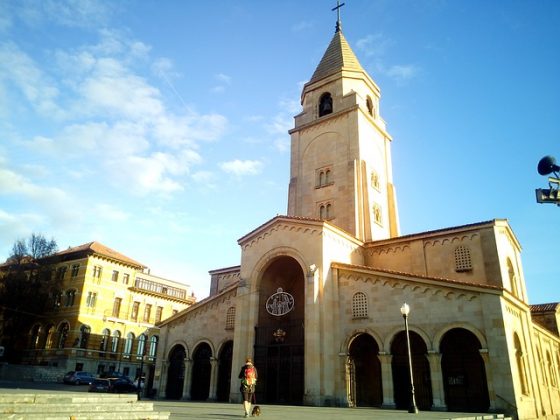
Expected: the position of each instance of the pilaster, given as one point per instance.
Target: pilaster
(213, 379)
(438, 394)
(387, 379)
(187, 382)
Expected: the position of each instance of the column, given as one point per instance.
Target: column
(312, 331)
(187, 380)
(438, 392)
(387, 379)
(213, 394)
(346, 367)
(162, 384)
(490, 384)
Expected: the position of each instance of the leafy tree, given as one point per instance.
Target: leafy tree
(26, 287)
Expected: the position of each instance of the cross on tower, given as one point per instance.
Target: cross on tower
(337, 8)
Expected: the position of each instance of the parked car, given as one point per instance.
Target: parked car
(99, 385)
(116, 385)
(122, 385)
(78, 378)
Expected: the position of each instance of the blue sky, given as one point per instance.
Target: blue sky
(159, 128)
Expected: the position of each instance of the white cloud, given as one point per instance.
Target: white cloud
(242, 167)
(402, 73)
(280, 124)
(72, 13)
(109, 212)
(301, 26)
(282, 144)
(20, 69)
(224, 78)
(373, 45)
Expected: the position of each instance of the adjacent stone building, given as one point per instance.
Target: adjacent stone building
(104, 316)
(316, 298)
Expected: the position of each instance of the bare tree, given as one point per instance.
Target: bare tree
(36, 247)
(26, 289)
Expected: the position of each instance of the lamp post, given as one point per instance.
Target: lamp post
(405, 310)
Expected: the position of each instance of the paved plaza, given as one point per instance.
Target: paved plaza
(197, 410)
(224, 411)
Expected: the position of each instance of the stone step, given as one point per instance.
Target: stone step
(484, 417)
(91, 416)
(67, 398)
(77, 406)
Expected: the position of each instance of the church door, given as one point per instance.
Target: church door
(420, 372)
(175, 373)
(201, 372)
(224, 372)
(463, 371)
(279, 337)
(365, 376)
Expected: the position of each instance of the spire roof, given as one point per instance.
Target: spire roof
(339, 56)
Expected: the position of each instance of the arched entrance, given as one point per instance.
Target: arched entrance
(201, 372)
(175, 373)
(365, 372)
(224, 372)
(464, 375)
(279, 338)
(420, 371)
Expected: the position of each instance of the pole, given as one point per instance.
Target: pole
(413, 409)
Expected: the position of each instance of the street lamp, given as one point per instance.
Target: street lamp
(405, 310)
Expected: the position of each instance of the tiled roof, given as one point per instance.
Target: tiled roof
(339, 56)
(545, 307)
(98, 248)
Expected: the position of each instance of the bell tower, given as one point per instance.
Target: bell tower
(340, 167)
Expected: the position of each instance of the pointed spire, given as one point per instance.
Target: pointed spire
(339, 56)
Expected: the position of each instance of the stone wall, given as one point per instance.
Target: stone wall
(28, 373)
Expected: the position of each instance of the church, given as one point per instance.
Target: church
(316, 300)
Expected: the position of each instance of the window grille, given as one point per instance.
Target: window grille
(359, 305)
(463, 260)
(230, 318)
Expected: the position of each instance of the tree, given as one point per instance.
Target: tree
(36, 247)
(27, 286)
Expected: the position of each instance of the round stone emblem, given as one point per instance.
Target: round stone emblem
(280, 303)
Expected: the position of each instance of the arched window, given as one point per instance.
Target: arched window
(551, 371)
(115, 341)
(104, 340)
(35, 336)
(329, 211)
(141, 345)
(541, 365)
(153, 346)
(85, 331)
(520, 359)
(230, 318)
(325, 104)
(369, 105)
(463, 260)
(375, 180)
(512, 278)
(328, 176)
(128, 344)
(377, 214)
(50, 337)
(359, 305)
(322, 212)
(63, 330)
(70, 297)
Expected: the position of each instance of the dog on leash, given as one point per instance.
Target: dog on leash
(256, 411)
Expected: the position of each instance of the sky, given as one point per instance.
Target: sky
(160, 128)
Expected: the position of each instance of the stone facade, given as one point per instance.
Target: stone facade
(316, 298)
